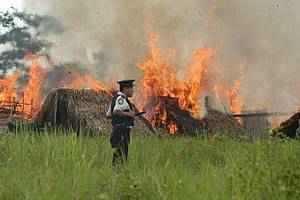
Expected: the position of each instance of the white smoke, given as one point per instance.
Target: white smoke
(111, 37)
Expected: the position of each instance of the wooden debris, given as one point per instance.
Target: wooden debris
(186, 123)
(288, 128)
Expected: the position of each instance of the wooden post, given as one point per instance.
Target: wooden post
(12, 108)
(23, 102)
(55, 108)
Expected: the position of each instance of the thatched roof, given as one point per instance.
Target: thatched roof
(82, 110)
(218, 122)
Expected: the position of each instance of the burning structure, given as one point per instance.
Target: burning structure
(171, 103)
(172, 95)
(171, 92)
(175, 102)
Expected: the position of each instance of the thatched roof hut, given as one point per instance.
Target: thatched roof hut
(80, 110)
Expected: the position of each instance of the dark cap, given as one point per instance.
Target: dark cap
(126, 83)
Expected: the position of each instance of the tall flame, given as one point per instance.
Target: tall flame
(235, 100)
(195, 80)
(160, 79)
(33, 90)
(224, 93)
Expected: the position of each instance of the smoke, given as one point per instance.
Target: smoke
(265, 35)
(255, 40)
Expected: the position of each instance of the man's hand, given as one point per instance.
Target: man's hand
(130, 114)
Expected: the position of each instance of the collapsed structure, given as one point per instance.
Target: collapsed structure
(288, 128)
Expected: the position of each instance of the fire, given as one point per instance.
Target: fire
(225, 93)
(195, 80)
(172, 127)
(78, 81)
(160, 80)
(235, 100)
(161, 118)
(159, 77)
(8, 90)
(33, 90)
(28, 97)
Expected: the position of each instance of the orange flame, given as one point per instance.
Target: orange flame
(8, 90)
(195, 81)
(30, 101)
(235, 100)
(78, 81)
(33, 89)
(225, 93)
(172, 127)
(160, 79)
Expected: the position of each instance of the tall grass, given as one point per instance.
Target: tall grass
(69, 167)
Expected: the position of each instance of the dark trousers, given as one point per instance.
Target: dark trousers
(120, 154)
(119, 140)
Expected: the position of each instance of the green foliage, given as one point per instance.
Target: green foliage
(60, 167)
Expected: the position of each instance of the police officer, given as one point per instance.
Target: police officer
(122, 114)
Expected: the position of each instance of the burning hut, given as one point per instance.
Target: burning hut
(171, 99)
(288, 128)
(80, 110)
(170, 116)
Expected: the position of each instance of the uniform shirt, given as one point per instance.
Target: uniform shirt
(120, 104)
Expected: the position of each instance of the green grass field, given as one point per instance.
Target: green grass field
(66, 167)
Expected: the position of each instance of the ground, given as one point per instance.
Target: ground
(67, 167)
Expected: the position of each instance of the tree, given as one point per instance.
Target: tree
(22, 33)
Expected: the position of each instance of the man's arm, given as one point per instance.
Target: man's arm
(124, 114)
(108, 113)
(144, 120)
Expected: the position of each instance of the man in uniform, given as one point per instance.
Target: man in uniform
(122, 114)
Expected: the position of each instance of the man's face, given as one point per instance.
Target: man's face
(128, 91)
